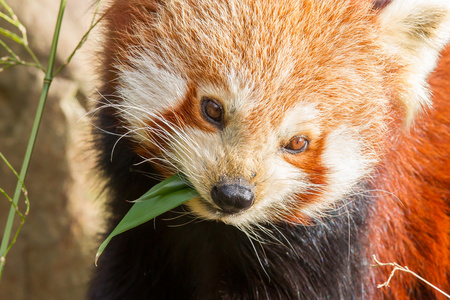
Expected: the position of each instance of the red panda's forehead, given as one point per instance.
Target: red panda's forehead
(282, 48)
(274, 43)
(275, 56)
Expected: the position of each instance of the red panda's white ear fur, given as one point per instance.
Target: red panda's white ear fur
(415, 31)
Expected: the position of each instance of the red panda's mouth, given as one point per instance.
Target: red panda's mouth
(208, 206)
(217, 211)
(213, 209)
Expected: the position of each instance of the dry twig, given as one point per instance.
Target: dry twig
(404, 269)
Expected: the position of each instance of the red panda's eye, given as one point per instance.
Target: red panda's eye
(213, 111)
(297, 144)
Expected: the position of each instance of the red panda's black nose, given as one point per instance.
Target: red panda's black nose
(233, 196)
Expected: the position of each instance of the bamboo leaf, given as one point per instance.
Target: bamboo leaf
(169, 185)
(163, 197)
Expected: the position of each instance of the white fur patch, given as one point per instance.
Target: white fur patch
(347, 163)
(237, 96)
(302, 119)
(149, 86)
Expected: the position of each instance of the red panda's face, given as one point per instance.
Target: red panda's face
(271, 111)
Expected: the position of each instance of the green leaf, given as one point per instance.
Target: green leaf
(169, 185)
(164, 196)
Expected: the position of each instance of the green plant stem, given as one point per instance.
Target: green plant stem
(11, 35)
(26, 162)
(94, 23)
(7, 7)
(33, 56)
(80, 44)
(6, 47)
(21, 215)
(20, 40)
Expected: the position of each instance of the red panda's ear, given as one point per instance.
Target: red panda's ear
(415, 31)
(124, 13)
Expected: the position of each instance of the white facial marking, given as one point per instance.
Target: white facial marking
(238, 96)
(303, 118)
(149, 85)
(347, 163)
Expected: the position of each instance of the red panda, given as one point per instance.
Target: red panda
(316, 133)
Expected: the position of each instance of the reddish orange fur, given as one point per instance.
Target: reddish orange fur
(317, 173)
(310, 71)
(410, 222)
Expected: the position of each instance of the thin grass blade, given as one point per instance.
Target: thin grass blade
(12, 36)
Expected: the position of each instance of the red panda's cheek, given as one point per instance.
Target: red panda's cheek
(155, 131)
(155, 95)
(189, 113)
(310, 163)
(333, 167)
(348, 157)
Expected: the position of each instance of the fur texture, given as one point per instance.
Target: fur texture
(349, 77)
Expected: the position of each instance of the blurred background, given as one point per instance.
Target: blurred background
(54, 253)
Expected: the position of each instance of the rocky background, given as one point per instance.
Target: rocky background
(55, 251)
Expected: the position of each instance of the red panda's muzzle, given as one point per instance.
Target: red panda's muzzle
(233, 196)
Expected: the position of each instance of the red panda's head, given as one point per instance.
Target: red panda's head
(272, 109)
